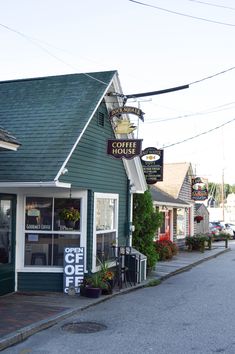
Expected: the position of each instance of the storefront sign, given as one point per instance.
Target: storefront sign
(73, 268)
(152, 163)
(127, 110)
(199, 189)
(124, 148)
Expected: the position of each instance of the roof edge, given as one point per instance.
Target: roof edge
(55, 184)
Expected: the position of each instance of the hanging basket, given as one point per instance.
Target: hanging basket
(198, 218)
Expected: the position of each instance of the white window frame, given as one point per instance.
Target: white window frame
(20, 267)
(95, 268)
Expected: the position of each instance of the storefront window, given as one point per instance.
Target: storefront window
(181, 223)
(105, 214)
(38, 214)
(48, 249)
(106, 226)
(50, 225)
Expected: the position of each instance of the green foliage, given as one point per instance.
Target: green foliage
(96, 281)
(197, 242)
(70, 214)
(153, 282)
(215, 190)
(146, 220)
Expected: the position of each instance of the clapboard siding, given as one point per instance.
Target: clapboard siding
(90, 168)
(40, 282)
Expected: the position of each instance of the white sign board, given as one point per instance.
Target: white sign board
(73, 268)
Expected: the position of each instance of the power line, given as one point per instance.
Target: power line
(182, 14)
(198, 135)
(34, 41)
(211, 76)
(215, 5)
(207, 111)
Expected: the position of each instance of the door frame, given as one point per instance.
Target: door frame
(7, 271)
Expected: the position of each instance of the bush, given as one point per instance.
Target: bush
(165, 249)
(146, 220)
(196, 242)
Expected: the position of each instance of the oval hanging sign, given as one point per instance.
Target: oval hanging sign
(152, 163)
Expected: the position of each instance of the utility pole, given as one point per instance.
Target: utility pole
(222, 194)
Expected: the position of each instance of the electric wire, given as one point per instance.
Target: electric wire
(200, 134)
(34, 41)
(182, 14)
(215, 5)
(207, 111)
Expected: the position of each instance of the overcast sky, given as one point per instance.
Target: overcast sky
(165, 44)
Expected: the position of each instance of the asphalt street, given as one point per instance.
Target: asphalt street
(191, 312)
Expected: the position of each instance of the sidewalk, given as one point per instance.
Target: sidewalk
(23, 314)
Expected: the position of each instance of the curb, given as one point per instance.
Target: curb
(22, 334)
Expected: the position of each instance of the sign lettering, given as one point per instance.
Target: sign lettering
(124, 148)
(73, 268)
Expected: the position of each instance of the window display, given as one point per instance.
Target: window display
(50, 225)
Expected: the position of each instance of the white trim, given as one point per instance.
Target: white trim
(53, 184)
(9, 146)
(20, 229)
(80, 136)
(104, 196)
(172, 205)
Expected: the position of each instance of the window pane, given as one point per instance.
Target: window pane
(38, 213)
(105, 214)
(180, 223)
(70, 208)
(5, 231)
(104, 242)
(60, 242)
(37, 249)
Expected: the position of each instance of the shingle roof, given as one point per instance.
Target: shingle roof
(164, 198)
(47, 115)
(173, 177)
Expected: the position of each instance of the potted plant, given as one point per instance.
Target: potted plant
(92, 286)
(107, 275)
(197, 242)
(70, 216)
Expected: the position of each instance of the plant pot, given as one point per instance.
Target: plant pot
(93, 292)
(111, 283)
(69, 224)
(107, 291)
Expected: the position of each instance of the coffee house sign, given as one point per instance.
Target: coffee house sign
(124, 148)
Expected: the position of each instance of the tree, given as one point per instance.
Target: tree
(146, 220)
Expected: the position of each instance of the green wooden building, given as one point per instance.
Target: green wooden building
(62, 124)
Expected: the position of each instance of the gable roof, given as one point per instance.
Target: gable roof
(162, 198)
(49, 116)
(8, 141)
(173, 177)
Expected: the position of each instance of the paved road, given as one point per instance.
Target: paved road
(192, 312)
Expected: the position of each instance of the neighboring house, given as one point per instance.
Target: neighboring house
(63, 125)
(177, 183)
(168, 206)
(201, 219)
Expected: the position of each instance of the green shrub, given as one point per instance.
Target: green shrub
(146, 220)
(196, 242)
